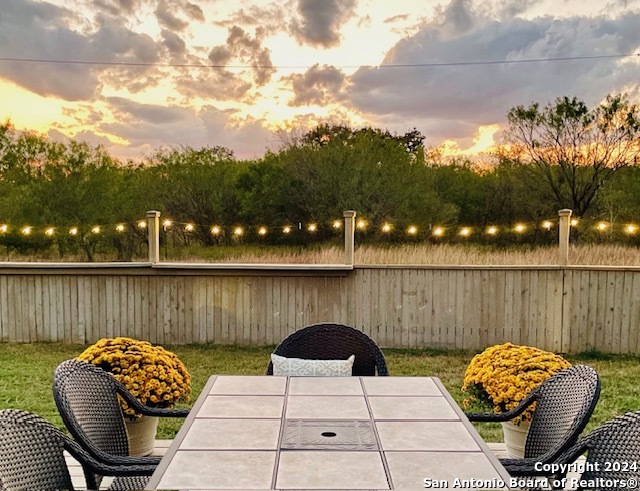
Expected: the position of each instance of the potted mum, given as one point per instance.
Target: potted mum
(501, 376)
(155, 376)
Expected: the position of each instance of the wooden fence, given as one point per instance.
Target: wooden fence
(559, 308)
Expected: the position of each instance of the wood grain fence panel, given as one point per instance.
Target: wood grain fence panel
(5, 298)
(511, 305)
(407, 299)
(569, 309)
(634, 317)
(625, 313)
(38, 308)
(15, 296)
(574, 289)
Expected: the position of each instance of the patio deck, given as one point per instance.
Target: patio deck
(161, 446)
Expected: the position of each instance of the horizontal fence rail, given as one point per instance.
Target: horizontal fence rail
(562, 309)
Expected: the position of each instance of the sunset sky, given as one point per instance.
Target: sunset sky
(135, 75)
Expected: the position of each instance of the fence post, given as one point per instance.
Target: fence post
(349, 235)
(563, 228)
(153, 228)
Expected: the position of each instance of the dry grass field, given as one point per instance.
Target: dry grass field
(408, 254)
(606, 255)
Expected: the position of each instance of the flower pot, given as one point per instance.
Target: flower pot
(515, 437)
(142, 435)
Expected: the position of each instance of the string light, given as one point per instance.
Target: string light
(361, 224)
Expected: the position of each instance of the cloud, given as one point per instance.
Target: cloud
(174, 43)
(39, 30)
(193, 11)
(247, 50)
(166, 17)
(320, 21)
(437, 98)
(148, 127)
(318, 85)
(116, 7)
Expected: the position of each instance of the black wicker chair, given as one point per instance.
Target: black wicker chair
(564, 403)
(87, 399)
(613, 455)
(32, 458)
(331, 342)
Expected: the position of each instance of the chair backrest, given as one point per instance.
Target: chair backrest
(333, 342)
(615, 447)
(87, 400)
(564, 405)
(31, 454)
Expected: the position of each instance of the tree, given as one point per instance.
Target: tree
(197, 185)
(574, 150)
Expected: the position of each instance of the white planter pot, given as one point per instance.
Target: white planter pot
(515, 437)
(142, 435)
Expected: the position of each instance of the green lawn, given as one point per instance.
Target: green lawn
(26, 372)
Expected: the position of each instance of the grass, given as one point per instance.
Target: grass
(26, 371)
(582, 254)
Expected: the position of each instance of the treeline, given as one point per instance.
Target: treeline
(55, 187)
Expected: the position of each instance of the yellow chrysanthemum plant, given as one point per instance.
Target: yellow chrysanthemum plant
(502, 375)
(155, 376)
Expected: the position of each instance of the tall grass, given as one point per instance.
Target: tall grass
(425, 254)
(414, 254)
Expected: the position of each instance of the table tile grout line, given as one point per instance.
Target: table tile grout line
(283, 417)
(385, 464)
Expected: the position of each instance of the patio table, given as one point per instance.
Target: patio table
(266, 432)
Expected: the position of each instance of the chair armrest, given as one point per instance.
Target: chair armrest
(507, 415)
(90, 465)
(146, 410)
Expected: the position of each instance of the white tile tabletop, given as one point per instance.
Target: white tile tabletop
(330, 433)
